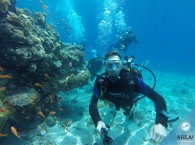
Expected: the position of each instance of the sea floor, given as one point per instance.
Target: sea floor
(75, 126)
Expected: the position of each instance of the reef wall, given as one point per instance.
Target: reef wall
(34, 66)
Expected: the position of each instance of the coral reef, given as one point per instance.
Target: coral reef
(5, 6)
(24, 96)
(34, 66)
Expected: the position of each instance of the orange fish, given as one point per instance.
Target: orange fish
(2, 89)
(14, 131)
(52, 113)
(47, 76)
(5, 77)
(2, 110)
(41, 114)
(38, 85)
(3, 135)
(1, 69)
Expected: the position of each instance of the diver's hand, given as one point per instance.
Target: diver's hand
(157, 132)
(101, 125)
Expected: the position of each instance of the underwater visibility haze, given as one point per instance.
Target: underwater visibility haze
(45, 84)
(165, 29)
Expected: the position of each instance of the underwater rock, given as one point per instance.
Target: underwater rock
(13, 19)
(38, 52)
(75, 52)
(24, 11)
(48, 44)
(40, 19)
(50, 121)
(4, 117)
(41, 131)
(73, 81)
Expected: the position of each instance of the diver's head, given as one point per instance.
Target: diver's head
(113, 63)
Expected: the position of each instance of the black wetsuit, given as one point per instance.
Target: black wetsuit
(123, 92)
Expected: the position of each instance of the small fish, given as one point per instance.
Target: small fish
(11, 103)
(70, 64)
(6, 77)
(21, 42)
(59, 99)
(38, 85)
(24, 112)
(47, 76)
(66, 128)
(40, 113)
(2, 110)
(2, 89)
(41, 1)
(14, 131)
(63, 19)
(27, 118)
(44, 7)
(52, 113)
(60, 109)
(47, 64)
(1, 69)
(3, 135)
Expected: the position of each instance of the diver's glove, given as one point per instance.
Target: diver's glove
(157, 133)
(101, 125)
(103, 129)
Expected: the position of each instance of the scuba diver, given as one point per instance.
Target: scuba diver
(127, 38)
(97, 65)
(120, 84)
(95, 68)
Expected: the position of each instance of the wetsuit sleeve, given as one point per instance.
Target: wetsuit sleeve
(159, 102)
(160, 105)
(93, 110)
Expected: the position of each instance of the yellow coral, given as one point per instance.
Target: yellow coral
(3, 1)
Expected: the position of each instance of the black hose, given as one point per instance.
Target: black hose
(150, 72)
(139, 98)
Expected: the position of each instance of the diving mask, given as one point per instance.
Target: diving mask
(113, 66)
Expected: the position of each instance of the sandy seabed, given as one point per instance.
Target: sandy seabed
(177, 90)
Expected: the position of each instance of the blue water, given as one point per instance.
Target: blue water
(165, 29)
